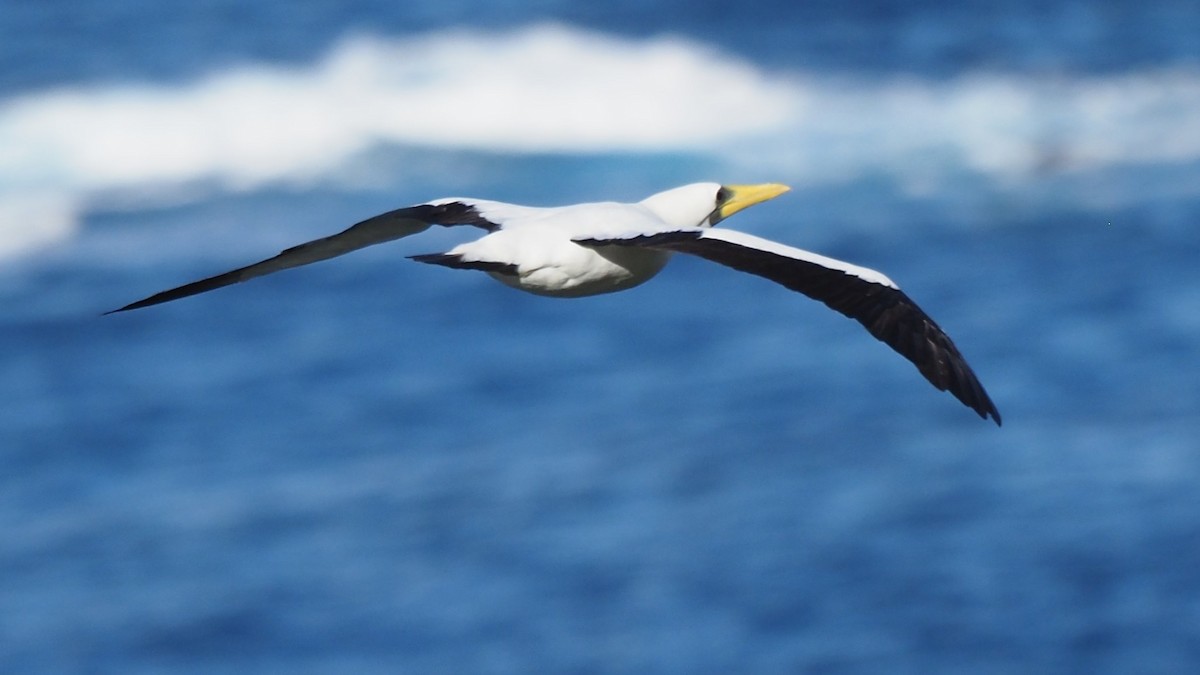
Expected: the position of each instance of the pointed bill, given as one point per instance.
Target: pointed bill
(742, 196)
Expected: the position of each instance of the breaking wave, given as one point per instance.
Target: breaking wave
(552, 88)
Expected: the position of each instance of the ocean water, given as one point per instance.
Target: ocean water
(374, 466)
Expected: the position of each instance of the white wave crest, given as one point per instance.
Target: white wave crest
(557, 89)
(32, 220)
(547, 88)
(1006, 127)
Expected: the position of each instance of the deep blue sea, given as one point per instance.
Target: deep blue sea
(374, 466)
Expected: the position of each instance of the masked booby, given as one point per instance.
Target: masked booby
(592, 248)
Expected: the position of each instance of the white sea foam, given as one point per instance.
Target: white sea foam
(1006, 127)
(545, 89)
(32, 220)
(557, 89)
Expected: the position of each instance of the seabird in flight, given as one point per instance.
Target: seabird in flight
(587, 249)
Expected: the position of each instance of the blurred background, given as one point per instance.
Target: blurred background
(375, 466)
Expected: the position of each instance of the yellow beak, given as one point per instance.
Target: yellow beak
(741, 196)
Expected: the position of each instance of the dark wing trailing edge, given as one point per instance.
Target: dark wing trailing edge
(455, 261)
(863, 295)
(382, 228)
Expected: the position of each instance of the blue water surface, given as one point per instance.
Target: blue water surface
(375, 466)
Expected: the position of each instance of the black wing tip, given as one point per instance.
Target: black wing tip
(135, 305)
(932, 351)
(959, 381)
(972, 394)
(995, 414)
(988, 410)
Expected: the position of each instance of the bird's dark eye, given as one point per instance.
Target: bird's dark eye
(722, 196)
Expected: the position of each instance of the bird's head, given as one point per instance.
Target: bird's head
(706, 204)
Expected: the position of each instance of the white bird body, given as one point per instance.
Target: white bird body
(554, 266)
(603, 247)
(538, 250)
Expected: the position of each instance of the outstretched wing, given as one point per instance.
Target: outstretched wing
(376, 230)
(862, 294)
